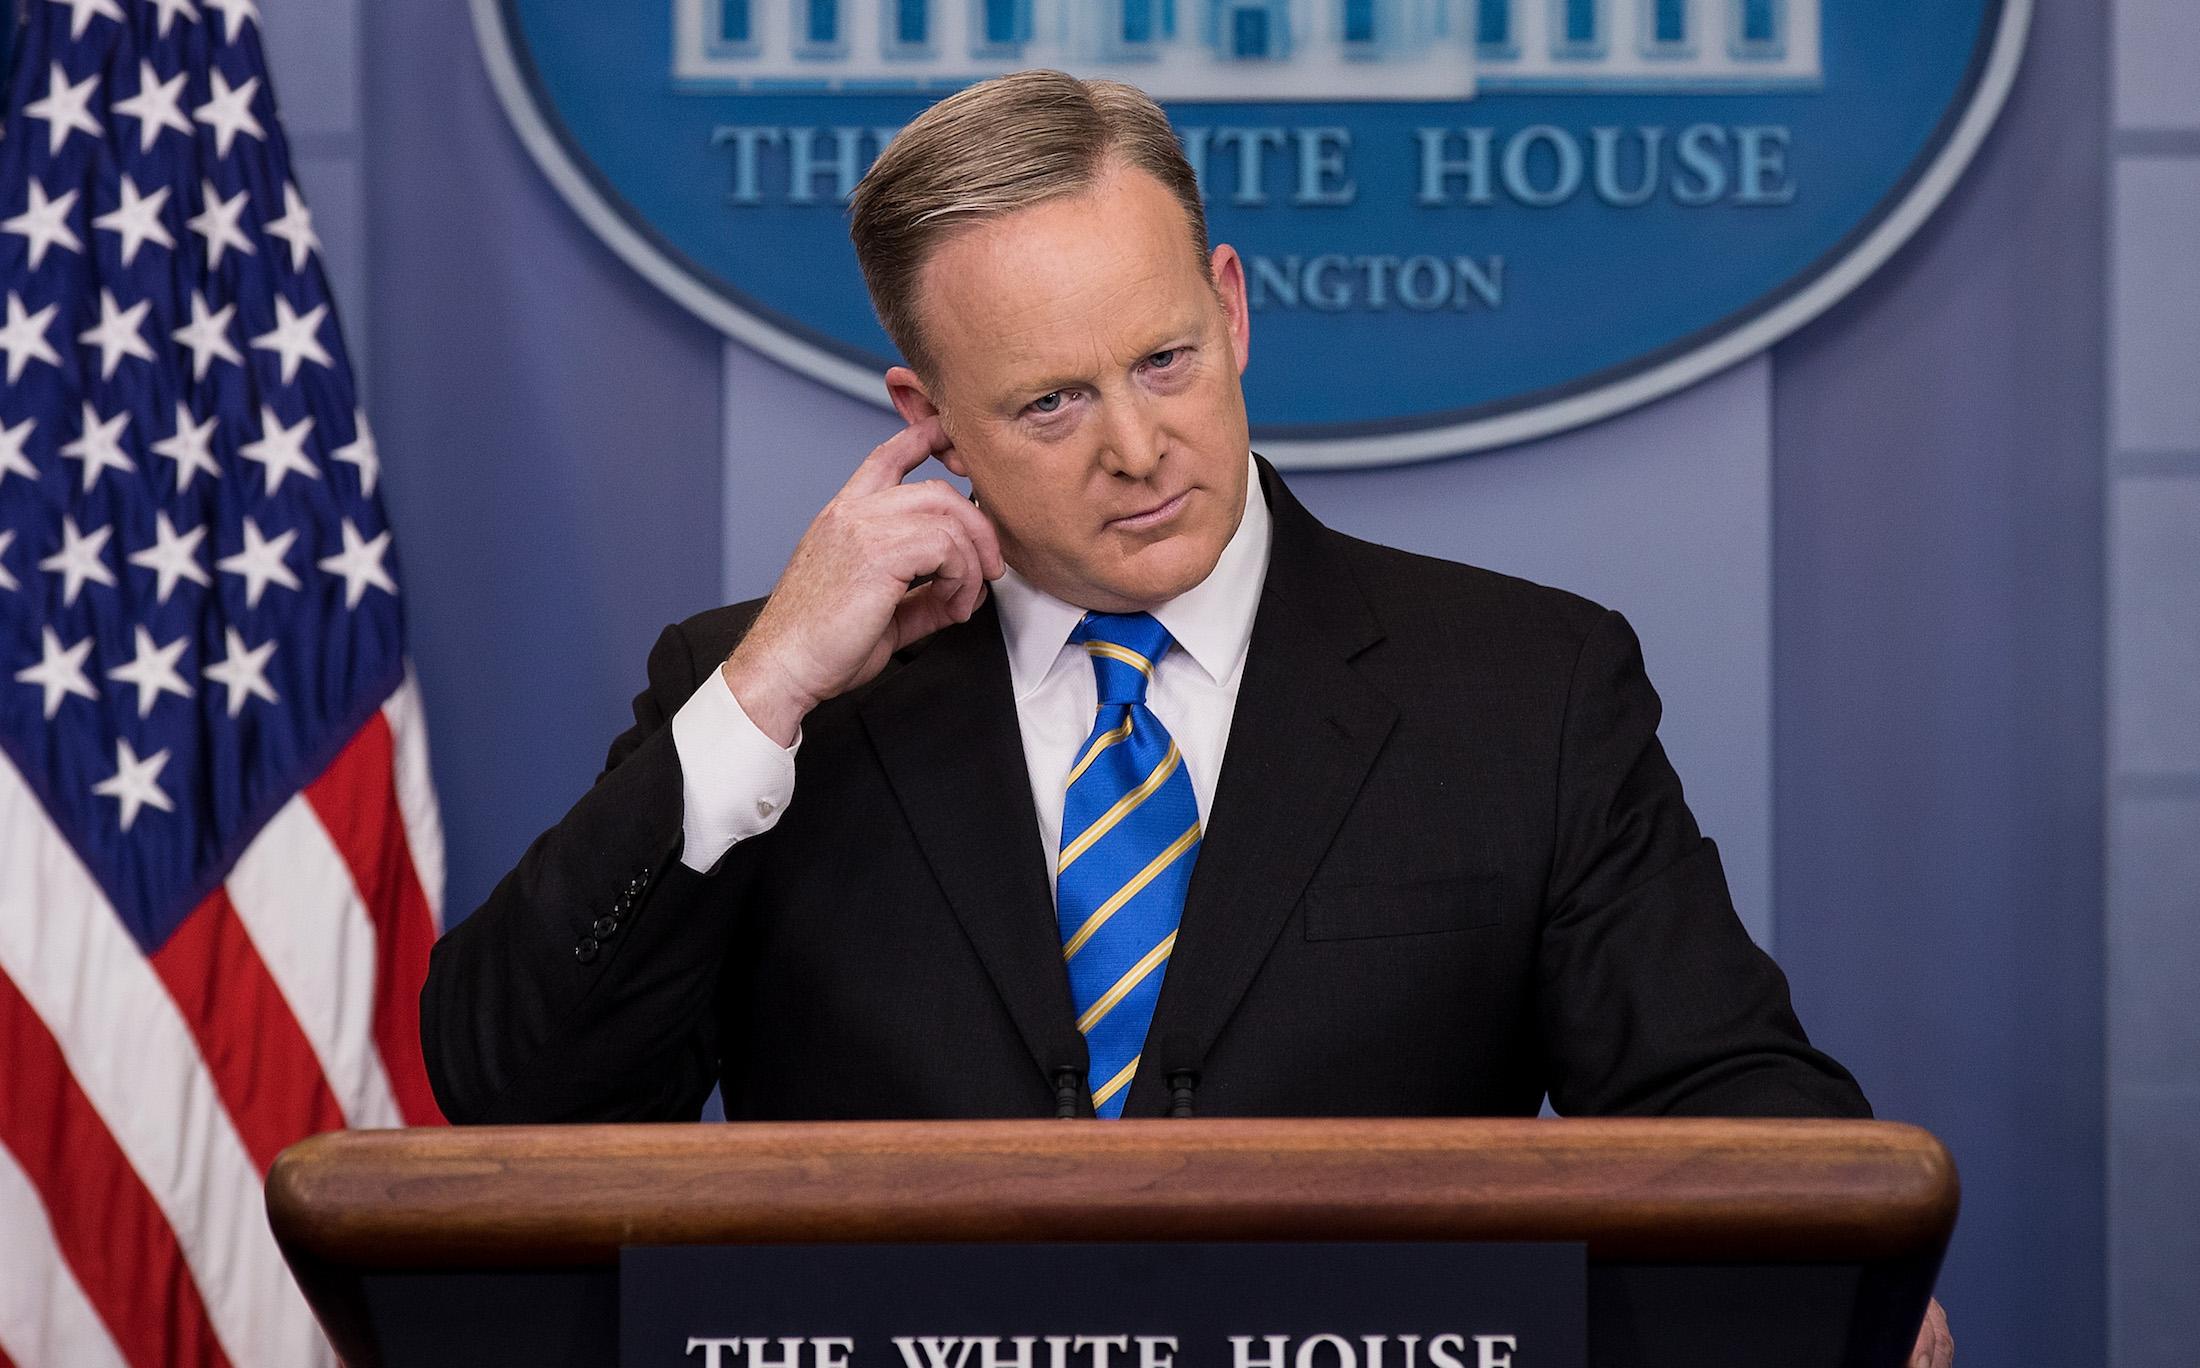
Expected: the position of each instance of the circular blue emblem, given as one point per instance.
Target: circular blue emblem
(1465, 222)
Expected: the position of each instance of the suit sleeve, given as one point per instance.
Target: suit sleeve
(583, 989)
(1654, 1000)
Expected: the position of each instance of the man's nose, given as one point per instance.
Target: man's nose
(1131, 443)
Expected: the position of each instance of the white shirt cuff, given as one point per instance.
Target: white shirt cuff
(734, 780)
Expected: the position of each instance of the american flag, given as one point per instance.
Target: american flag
(220, 863)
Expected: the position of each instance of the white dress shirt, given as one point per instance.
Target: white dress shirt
(735, 781)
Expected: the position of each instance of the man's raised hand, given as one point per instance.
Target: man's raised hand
(881, 565)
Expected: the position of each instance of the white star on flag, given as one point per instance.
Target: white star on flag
(229, 112)
(7, 580)
(118, 333)
(171, 557)
(157, 105)
(153, 670)
(361, 452)
(169, 9)
(78, 559)
(23, 337)
(12, 459)
(191, 447)
(295, 337)
(294, 227)
(360, 563)
(260, 563)
(137, 219)
(236, 13)
(81, 12)
(280, 449)
(99, 447)
(244, 673)
(45, 223)
(59, 671)
(207, 335)
(136, 783)
(217, 223)
(66, 108)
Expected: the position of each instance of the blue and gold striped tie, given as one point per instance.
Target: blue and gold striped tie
(1130, 832)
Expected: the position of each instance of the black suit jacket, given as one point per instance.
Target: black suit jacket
(1447, 870)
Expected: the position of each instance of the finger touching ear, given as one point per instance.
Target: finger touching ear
(913, 400)
(911, 397)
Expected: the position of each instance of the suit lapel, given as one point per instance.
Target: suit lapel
(944, 726)
(1304, 733)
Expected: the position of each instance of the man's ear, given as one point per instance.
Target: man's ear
(912, 399)
(1227, 270)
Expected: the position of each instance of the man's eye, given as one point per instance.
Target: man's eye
(1162, 360)
(1048, 403)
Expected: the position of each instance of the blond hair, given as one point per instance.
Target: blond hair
(988, 151)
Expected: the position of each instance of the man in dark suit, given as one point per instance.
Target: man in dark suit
(1124, 783)
(1448, 869)
(847, 859)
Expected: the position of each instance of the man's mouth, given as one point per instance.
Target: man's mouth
(1151, 517)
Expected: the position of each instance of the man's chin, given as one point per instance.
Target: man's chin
(1157, 573)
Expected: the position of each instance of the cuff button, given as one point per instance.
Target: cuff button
(603, 927)
(587, 950)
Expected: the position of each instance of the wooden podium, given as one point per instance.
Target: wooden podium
(1776, 1244)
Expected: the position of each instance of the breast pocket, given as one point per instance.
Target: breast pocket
(1353, 911)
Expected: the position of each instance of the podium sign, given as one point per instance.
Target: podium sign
(1144, 1305)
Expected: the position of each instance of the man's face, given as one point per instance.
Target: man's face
(1088, 377)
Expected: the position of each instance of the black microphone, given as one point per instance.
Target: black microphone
(1182, 1077)
(1069, 1080)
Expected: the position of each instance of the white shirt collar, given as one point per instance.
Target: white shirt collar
(1212, 620)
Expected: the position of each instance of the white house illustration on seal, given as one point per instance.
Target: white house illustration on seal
(1251, 50)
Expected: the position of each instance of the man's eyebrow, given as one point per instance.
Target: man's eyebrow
(1048, 383)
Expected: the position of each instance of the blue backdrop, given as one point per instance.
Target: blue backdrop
(1931, 611)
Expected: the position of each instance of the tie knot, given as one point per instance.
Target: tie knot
(1124, 648)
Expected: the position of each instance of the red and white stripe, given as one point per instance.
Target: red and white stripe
(142, 1099)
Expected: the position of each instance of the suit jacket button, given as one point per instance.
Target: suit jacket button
(587, 950)
(603, 927)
